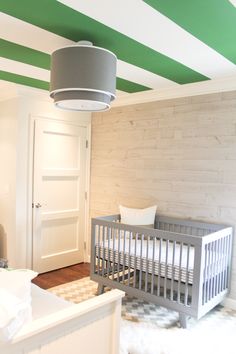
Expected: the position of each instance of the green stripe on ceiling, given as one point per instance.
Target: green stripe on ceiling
(36, 58)
(211, 21)
(66, 22)
(128, 86)
(24, 80)
(122, 84)
(23, 54)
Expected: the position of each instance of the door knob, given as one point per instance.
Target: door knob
(38, 205)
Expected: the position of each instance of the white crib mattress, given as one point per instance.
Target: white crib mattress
(170, 263)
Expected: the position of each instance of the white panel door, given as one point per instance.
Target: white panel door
(58, 195)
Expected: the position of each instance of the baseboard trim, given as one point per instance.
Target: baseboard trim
(228, 302)
(87, 258)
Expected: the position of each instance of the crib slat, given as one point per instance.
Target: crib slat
(220, 265)
(214, 269)
(129, 256)
(229, 254)
(223, 264)
(141, 263)
(135, 260)
(123, 270)
(207, 278)
(217, 267)
(172, 273)
(225, 261)
(187, 277)
(146, 274)
(93, 268)
(113, 253)
(204, 277)
(228, 259)
(103, 249)
(99, 249)
(208, 272)
(108, 250)
(180, 271)
(118, 263)
(166, 267)
(159, 268)
(153, 263)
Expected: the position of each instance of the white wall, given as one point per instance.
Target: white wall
(16, 140)
(8, 132)
(179, 154)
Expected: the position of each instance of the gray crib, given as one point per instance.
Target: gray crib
(182, 265)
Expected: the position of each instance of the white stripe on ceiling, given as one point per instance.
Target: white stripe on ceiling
(139, 21)
(17, 31)
(18, 68)
(25, 34)
(142, 76)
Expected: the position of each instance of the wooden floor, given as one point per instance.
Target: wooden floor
(63, 275)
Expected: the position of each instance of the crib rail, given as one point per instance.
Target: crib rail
(182, 270)
(215, 268)
(187, 227)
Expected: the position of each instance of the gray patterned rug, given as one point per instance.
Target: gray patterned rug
(136, 310)
(151, 329)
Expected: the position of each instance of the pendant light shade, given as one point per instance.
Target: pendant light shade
(83, 77)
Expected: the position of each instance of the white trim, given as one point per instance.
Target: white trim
(29, 226)
(187, 90)
(53, 92)
(87, 230)
(229, 302)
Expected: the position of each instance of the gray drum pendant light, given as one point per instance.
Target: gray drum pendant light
(83, 77)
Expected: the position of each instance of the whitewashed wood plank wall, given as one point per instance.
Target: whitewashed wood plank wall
(179, 154)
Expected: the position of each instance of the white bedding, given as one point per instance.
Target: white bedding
(45, 303)
(15, 300)
(20, 314)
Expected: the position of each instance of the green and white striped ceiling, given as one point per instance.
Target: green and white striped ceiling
(159, 43)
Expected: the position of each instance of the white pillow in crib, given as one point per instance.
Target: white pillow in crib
(15, 296)
(145, 217)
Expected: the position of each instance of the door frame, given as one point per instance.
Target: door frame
(29, 237)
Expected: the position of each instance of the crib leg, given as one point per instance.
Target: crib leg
(182, 320)
(100, 289)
